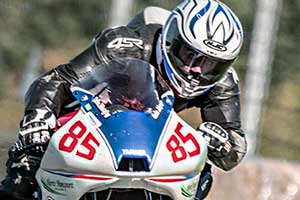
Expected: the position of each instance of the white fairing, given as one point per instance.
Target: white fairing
(80, 160)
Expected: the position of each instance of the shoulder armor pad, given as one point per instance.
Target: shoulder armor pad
(150, 15)
(228, 86)
(156, 15)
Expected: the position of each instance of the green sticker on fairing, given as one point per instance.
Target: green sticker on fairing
(188, 190)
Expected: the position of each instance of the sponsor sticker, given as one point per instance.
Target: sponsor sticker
(56, 186)
(188, 190)
(134, 151)
(88, 107)
(93, 120)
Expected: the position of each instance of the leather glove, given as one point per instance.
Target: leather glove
(218, 140)
(35, 131)
(26, 154)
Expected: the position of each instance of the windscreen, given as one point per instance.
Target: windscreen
(125, 84)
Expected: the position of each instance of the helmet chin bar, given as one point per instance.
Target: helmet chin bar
(180, 87)
(192, 89)
(188, 89)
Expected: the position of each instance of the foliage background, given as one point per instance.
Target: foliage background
(63, 28)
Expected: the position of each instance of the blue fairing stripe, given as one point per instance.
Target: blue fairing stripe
(134, 134)
(131, 131)
(88, 105)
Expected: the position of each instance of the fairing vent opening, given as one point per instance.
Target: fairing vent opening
(133, 165)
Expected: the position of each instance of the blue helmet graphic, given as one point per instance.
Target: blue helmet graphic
(200, 41)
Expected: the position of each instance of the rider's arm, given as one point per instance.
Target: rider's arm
(223, 108)
(51, 91)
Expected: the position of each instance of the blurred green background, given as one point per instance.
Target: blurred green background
(57, 30)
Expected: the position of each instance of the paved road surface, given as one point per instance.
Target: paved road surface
(258, 179)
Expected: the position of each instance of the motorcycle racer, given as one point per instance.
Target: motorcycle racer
(193, 47)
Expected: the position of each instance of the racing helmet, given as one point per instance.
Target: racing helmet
(200, 40)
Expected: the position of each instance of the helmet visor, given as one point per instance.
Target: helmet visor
(191, 64)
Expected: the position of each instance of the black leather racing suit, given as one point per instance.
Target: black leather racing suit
(220, 105)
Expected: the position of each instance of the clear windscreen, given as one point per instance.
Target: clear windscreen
(125, 84)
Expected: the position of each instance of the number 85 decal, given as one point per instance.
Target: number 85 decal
(70, 140)
(175, 146)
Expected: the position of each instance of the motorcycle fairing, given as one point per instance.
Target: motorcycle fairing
(166, 176)
(124, 129)
(80, 159)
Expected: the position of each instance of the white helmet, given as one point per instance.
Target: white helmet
(199, 42)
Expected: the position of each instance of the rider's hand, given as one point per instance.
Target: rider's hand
(26, 154)
(35, 132)
(218, 139)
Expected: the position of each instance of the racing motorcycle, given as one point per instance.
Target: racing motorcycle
(124, 142)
